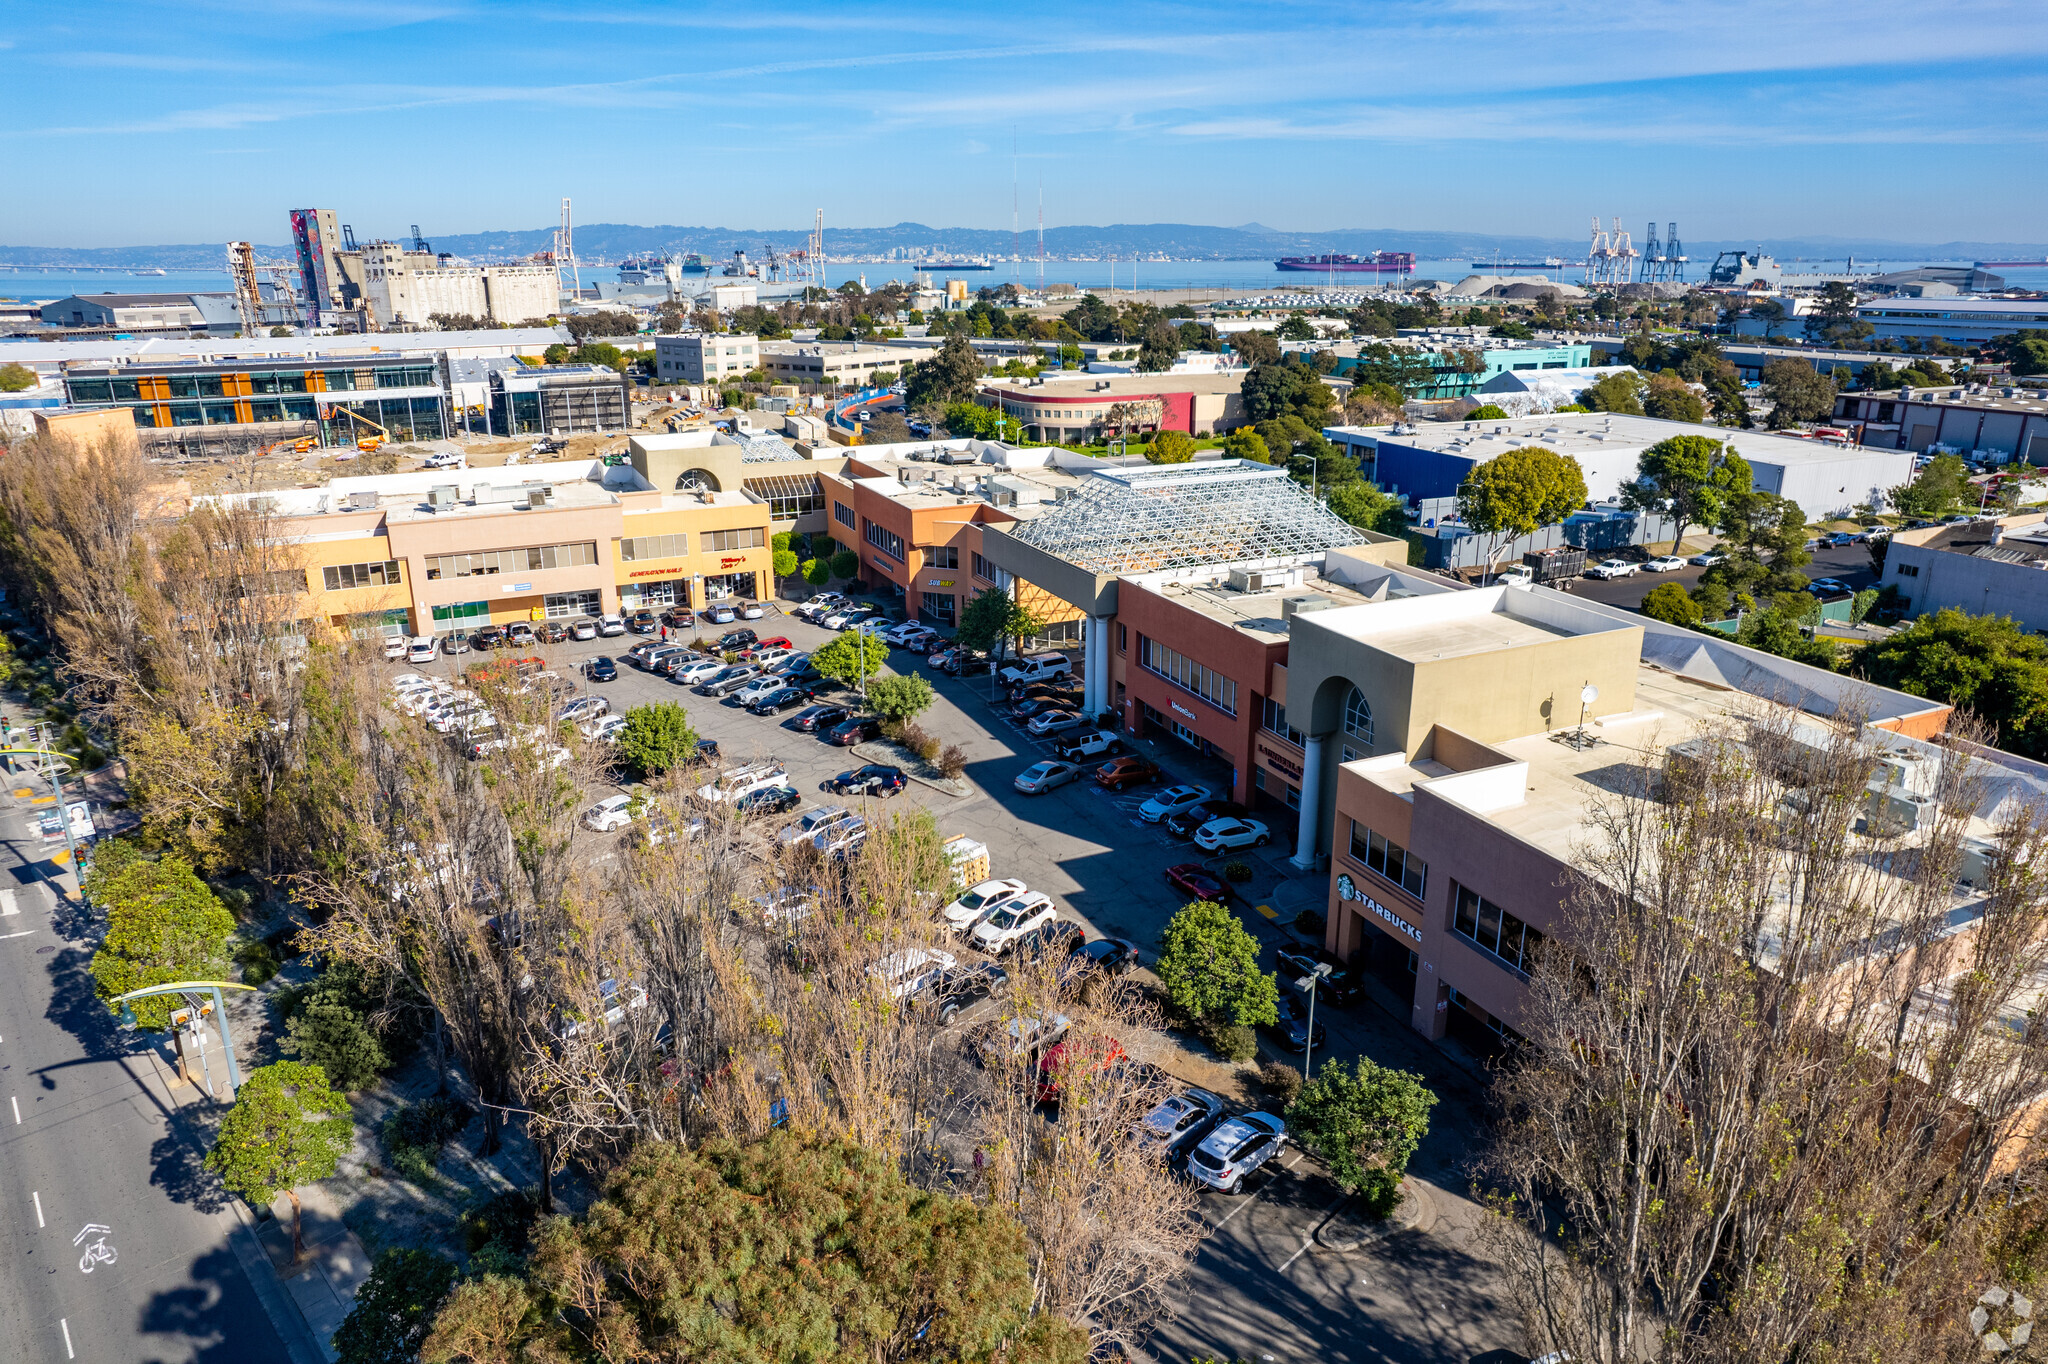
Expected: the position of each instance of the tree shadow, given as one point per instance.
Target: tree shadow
(179, 1171)
(77, 1008)
(215, 1316)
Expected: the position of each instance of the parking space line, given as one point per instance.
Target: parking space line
(67, 1337)
(1288, 1165)
(37, 1195)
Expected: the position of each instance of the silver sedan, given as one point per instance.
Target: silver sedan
(1043, 776)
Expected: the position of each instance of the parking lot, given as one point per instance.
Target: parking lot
(1259, 1285)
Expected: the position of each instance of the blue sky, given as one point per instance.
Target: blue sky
(207, 119)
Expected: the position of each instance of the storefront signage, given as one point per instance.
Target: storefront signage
(1183, 710)
(517, 587)
(1347, 889)
(940, 582)
(655, 573)
(1282, 763)
(732, 561)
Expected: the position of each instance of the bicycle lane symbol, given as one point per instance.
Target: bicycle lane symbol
(97, 1251)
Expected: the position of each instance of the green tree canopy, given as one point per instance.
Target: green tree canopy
(1256, 347)
(1616, 393)
(1364, 1124)
(393, 1308)
(287, 1128)
(817, 572)
(845, 564)
(972, 419)
(329, 1034)
(1686, 478)
(900, 698)
(1286, 389)
(1487, 412)
(785, 562)
(1781, 628)
(851, 657)
(1669, 399)
(992, 618)
(163, 925)
(1671, 604)
(782, 1251)
(946, 376)
(15, 378)
(1210, 967)
(2025, 351)
(1361, 504)
(657, 738)
(1940, 489)
(1512, 330)
(1799, 392)
(1520, 491)
(1160, 348)
(1171, 447)
(1987, 664)
(1246, 443)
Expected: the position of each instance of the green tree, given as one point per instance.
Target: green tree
(1519, 492)
(1782, 627)
(972, 419)
(851, 658)
(393, 1308)
(1616, 393)
(163, 925)
(1210, 967)
(1686, 479)
(1171, 447)
(788, 1249)
(1286, 389)
(1668, 398)
(785, 563)
(1771, 313)
(2025, 351)
(332, 1036)
(900, 698)
(1799, 392)
(1364, 1124)
(1940, 489)
(287, 1128)
(1159, 350)
(845, 564)
(1246, 443)
(1671, 604)
(1255, 347)
(1987, 664)
(1513, 331)
(946, 376)
(14, 378)
(1296, 328)
(657, 738)
(1363, 505)
(1487, 412)
(992, 619)
(817, 572)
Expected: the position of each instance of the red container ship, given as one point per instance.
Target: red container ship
(1378, 263)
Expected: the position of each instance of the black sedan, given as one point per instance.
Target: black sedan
(962, 666)
(819, 718)
(962, 987)
(734, 640)
(778, 700)
(490, 637)
(858, 730)
(1054, 941)
(876, 779)
(1111, 955)
(1340, 987)
(1293, 1024)
(1183, 823)
(601, 669)
(769, 800)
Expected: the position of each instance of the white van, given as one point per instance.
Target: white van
(742, 781)
(421, 650)
(1037, 668)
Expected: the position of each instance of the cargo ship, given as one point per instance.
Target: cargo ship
(1378, 263)
(954, 265)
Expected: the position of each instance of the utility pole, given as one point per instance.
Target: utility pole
(1308, 1053)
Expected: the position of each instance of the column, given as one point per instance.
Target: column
(1099, 651)
(1092, 664)
(1311, 827)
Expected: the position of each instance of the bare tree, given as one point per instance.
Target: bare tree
(1781, 1078)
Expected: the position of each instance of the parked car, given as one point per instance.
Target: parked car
(553, 632)
(960, 663)
(1219, 834)
(734, 640)
(1008, 922)
(420, 650)
(583, 628)
(1112, 956)
(912, 970)
(752, 610)
(1828, 586)
(1089, 743)
(730, 680)
(1292, 1023)
(1073, 1055)
(1707, 558)
(1019, 1037)
(1055, 722)
(679, 618)
(858, 730)
(840, 617)
(395, 648)
(779, 698)
(1235, 1149)
(604, 730)
(454, 644)
(978, 901)
(757, 687)
(613, 812)
(1037, 668)
(690, 670)
(1843, 537)
(609, 625)
(490, 637)
(815, 718)
(769, 657)
(1664, 563)
(521, 635)
(1340, 987)
(769, 800)
(600, 669)
(1613, 568)
(1054, 940)
(1129, 770)
(1179, 1122)
(1198, 882)
(814, 823)
(1171, 799)
(583, 708)
(720, 614)
(842, 840)
(744, 780)
(643, 622)
(876, 779)
(1041, 777)
(1183, 823)
(962, 988)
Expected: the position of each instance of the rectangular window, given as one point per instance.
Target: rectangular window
(1212, 686)
(843, 514)
(943, 556)
(1275, 721)
(1123, 635)
(789, 495)
(988, 572)
(654, 547)
(1495, 931)
(1389, 859)
(1909, 570)
(463, 613)
(886, 540)
(512, 560)
(341, 577)
(721, 541)
(570, 603)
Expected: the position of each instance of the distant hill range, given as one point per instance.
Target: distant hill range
(1184, 241)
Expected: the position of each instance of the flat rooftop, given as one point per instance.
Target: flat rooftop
(2031, 397)
(1589, 433)
(1109, 387)
(1264, 612)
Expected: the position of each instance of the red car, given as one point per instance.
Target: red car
(1129, 770)
(779, 642)
(1071, 1053)
(1194, 879)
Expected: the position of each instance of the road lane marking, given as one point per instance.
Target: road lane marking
(67, 1338)
(23, 934)
(15, 1104)
(1306, 1242)
(38, 1197)
(7, 906)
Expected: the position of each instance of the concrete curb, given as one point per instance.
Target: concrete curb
(1344, 1230)
(892, 756)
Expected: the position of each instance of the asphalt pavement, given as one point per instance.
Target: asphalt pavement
(125, 1248)
(1850, 563)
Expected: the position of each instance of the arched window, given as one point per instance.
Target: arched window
(1358, 715)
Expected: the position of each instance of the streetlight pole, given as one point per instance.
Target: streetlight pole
(48, 769)
(1308, 1053)
(220, 1012)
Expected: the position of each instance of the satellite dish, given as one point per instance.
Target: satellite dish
(1590, 694)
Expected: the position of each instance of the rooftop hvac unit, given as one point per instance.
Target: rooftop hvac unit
(1889, 810)
(1688, 765)
(447, 495)
(1290, 607)
(1261, 580)
(1909, 771)
(536, 497)
(362, 501)
(1980, 856)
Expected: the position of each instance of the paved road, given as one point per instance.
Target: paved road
(88, 1160)
(1850, 563)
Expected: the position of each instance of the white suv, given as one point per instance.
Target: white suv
(978, 903)
(421, 650)
(997, 933)
(613, 812)
(743, 781)
(759, 688)
(1037, 668)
